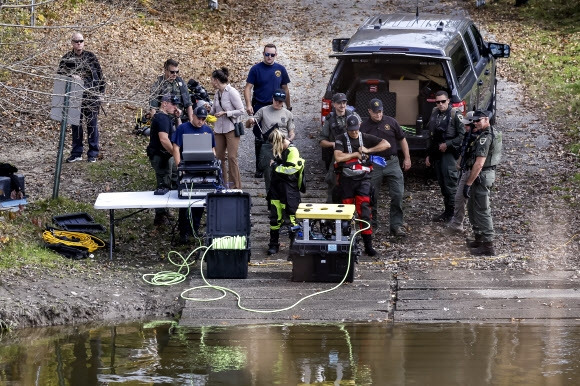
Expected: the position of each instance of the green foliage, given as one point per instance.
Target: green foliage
(21, 243)
(554, 14)
(545, 39)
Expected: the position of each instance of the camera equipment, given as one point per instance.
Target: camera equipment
(197, 92)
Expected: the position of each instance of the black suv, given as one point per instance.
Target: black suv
(404, 59)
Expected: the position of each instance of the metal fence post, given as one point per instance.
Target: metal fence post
(62, 137)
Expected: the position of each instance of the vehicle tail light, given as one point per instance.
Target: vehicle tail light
(325, 109)
(461, 106)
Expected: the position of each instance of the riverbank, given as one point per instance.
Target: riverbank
(534, 201)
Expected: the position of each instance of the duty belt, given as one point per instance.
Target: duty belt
(488, 168)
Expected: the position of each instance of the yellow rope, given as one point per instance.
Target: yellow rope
(73, 239)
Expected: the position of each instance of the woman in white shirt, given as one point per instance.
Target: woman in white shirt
(227, 108)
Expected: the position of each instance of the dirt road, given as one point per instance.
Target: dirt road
(535, 212)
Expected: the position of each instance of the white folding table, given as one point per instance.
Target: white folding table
(140, 201)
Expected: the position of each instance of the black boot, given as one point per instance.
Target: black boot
(485, 249)
(446, 216)
(368, 241)
(474, 242)
(274, 244)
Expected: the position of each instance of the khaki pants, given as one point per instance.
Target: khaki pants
(229, 143)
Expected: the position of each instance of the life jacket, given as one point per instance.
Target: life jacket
(354, 167)
(335, 130)
(495, 149)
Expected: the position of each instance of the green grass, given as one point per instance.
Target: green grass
(21, 241)
(545, 40)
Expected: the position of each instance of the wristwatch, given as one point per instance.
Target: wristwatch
(289, 108)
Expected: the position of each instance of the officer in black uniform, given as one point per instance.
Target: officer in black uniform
(160, 150)
(333, 126)
(482, 156)
(446, 134)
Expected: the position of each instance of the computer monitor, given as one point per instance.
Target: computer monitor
(197, 148)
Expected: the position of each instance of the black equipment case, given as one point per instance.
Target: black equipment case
(6, 186)
(322, 262)
(228, 214)
(320, 251)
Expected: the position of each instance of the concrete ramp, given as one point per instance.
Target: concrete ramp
(487, 296)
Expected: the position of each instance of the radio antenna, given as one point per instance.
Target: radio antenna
(417, 13)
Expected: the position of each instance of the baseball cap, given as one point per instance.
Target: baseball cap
(170, 98)
(481, 114)
(200, 112)
(339, 97)
(279, 95)
(467, 119)
(352, 122)
(376, 105)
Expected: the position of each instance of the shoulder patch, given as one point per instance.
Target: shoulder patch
(483, 140)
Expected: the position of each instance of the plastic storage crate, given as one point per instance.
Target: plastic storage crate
(6, 186)
(78, 222)
(322, 262)
(228, 214)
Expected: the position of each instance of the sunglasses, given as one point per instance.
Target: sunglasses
(266, 54)
(475, 120)
(440, 102)
(174, 72)
(78, 41)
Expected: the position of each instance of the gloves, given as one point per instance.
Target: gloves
(466, 191)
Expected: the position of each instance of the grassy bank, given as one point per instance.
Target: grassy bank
(545, 40)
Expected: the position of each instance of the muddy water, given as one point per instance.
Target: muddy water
(364, 354)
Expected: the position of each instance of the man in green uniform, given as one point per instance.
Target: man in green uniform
(482, 155)
(171, 83)
(388, 128)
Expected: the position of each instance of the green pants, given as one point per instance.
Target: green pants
(330, 179)
(447, 176)
(479, 208)
(165, 174)
(460, 201)
(396, 183)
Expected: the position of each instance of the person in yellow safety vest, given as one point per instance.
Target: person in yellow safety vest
(285, 187)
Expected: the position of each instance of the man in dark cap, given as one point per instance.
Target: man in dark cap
(351, 152)
(196, 126)
(333, 126)
(160, 151)
(388, 128)
(482, 156)
(268, 118)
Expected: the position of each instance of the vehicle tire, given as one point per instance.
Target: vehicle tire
(493, 104)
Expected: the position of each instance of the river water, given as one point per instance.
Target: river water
(162, 353)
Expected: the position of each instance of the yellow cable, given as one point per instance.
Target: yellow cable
(73, 239)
